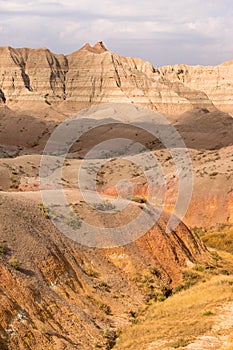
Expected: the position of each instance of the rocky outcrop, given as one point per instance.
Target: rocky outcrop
(216, 82)
(95, 75)
(32, 75)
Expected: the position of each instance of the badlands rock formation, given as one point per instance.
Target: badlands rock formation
(54, 293)
(67, 296)
(94, 75)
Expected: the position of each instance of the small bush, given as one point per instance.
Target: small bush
(106, 308)
(190, 278)
(133, 314)
(14, 262)
(207, 313)
(179, 288)
(111, 336)
(105, 205)
(215, 173)
(91, 272)
(73, 221)
(198, 231)
(199, 268)
(2, 248)
(44, 210)
(33, 144)
(138, 199)
(154, 271)
(181, 342)
(161, 298)
(105, 286)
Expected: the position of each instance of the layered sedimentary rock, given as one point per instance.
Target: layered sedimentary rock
(215, 81)
(57, 294)
(95, 75)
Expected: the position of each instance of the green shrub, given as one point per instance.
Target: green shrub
(33, 144)
(73, 221)
(199, 268)
(106, 308)
(207, 313)
(190, 278)
(104, 286)
(179, 288)
(14, 262)
(91, 272)
(110, 336)
(154, 271)
(138, 199)
(44, 210)
(198, 231)
(2, 248)
(161, 298)
(133, 314)
(105, 205)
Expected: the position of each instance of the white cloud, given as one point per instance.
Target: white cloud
(194, 31)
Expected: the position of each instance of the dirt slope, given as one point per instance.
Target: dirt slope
(67, 295)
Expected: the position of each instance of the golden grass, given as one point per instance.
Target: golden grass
(220, 240)
(184, 316)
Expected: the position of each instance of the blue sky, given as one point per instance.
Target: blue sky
(162, 32)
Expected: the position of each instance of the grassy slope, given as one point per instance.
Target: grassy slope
(220, 240)
(184, 316)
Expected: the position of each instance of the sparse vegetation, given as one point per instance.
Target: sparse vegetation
(102, 306)
(138, 199)
(199, 267)
(2, 248)
(179, 288)
(103, 285)
(220, 240)
(14, 262)
(34, 144)
(106, 308)
(180, 317)
(154, 271)
(105, 205)
(89, 271)
(161, 298)
(44, 210)
(207, 313)
(198, 231)
(178, 343)
(73, 221)
(190, 278)
(110, 336)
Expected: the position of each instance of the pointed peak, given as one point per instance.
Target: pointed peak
(86, 46)
(97, 48)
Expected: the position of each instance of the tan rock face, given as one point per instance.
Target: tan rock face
(215, 81)
(94, 75)
(32, 74)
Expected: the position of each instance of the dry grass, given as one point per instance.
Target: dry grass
(182, 317)
(220, 240)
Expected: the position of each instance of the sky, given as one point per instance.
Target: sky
(162, 32)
